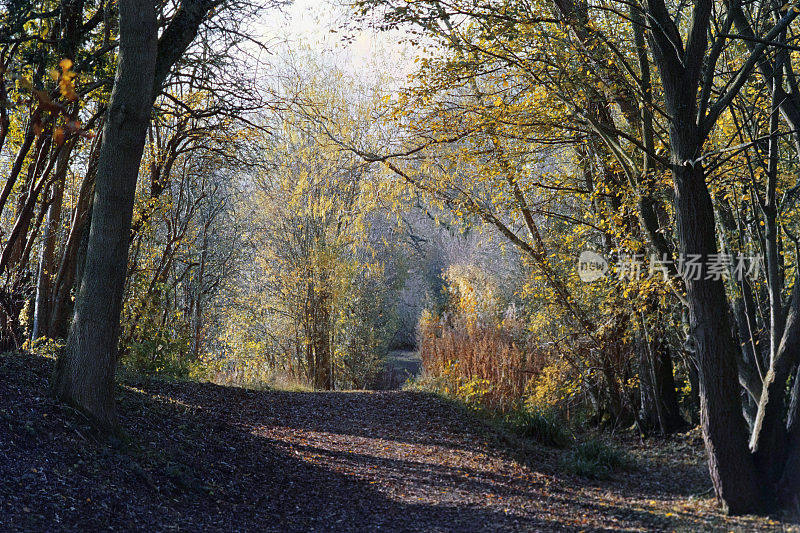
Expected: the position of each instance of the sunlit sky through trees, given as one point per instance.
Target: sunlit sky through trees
(319, 27)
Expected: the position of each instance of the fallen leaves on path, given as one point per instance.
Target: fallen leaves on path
(199, 457)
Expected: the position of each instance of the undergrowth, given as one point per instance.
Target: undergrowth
(544, 427)
(595, 459)
(592, 458)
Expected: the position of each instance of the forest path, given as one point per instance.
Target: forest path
(403, 365)
(200, 457)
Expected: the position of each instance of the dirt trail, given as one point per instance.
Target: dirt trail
(200, 457)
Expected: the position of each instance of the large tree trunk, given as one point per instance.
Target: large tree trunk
(732, 469)
(85, 371)
(731, 466)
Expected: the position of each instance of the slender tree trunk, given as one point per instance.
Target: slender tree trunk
(197, 315)
(38, 170)
(323, 379)
(72, 258)
(16, 168)
(5, 122)
(771, 439)
(44, 281)
(660, 410)
(85, 372)
(47, 257)
(70, 26)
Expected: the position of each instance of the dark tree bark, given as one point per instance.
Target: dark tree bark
(47, 257)
(85, 372)
(72, 260)
(682, 68)
(724, 431)
(660, 410)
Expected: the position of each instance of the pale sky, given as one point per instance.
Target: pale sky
(307, 25)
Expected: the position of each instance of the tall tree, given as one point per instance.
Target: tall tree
(84, 373)
(686, 64)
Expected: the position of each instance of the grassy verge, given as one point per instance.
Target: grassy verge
(595, 459)
(582, 454)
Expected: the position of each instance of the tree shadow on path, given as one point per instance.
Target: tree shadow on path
(200, 457)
